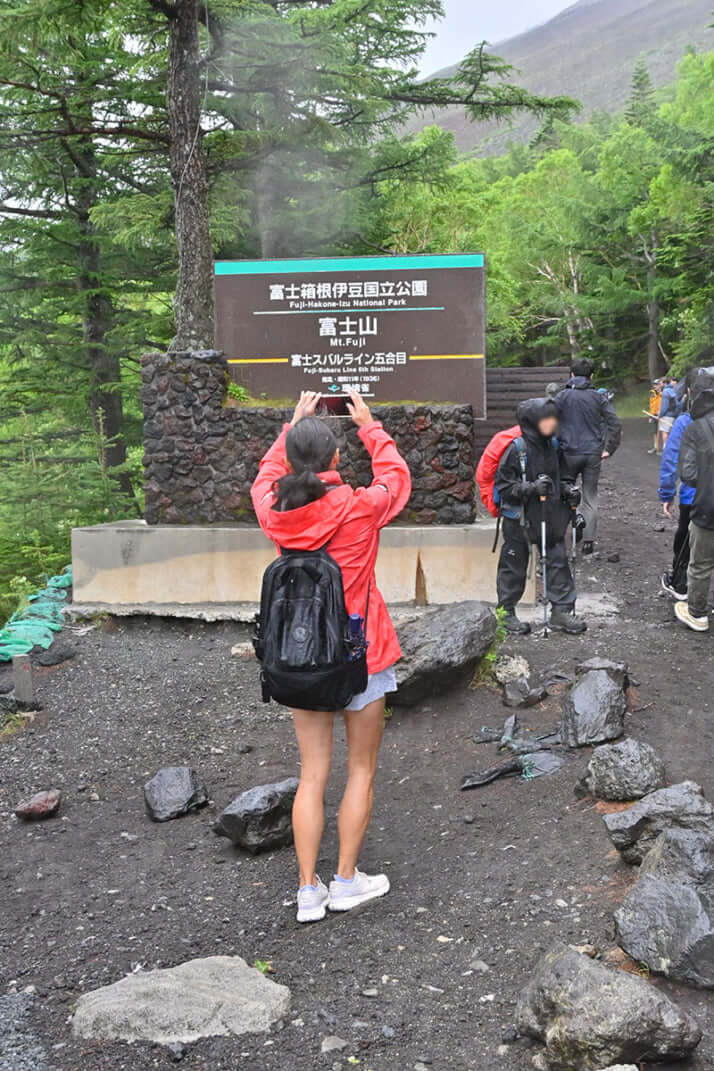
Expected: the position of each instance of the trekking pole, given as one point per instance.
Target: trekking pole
(574, 525)
(543, 552)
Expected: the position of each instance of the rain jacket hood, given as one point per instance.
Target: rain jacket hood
(532, 411)
(702, 399)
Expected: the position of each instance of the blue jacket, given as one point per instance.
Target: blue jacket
(668, 468)
(669, 406)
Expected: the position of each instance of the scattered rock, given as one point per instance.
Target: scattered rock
(634, 830)
(627, 770)
(173, 791)
(333, 1044)
(245, 651)
(218, 995)
(509, 668)
(617, 670)
(667, 919)
(440, 648)
(20, 1049)
(521, 693)
(388, 1032)
(59, 651)
(613, 558)
(41, 805)
(589, 1015)
(509, 1036)
(480, 966)
(621, 1067)
(371, 993)
(594, 706)
(176, 1051)
(260, 818)
(8, 704)
(683, 855)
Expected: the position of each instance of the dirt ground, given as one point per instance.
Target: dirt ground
(493, 875)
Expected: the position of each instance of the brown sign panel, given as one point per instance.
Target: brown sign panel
(403, 328)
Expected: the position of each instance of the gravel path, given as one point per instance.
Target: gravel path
(482, 881)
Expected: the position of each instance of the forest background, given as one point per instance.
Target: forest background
(599, 235)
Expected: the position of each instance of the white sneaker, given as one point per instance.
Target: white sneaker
(344, 895)
(682, 611)
(312, 902)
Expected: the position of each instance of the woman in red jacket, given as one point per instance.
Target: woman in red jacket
(301, 503)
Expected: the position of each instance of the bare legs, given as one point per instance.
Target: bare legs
(364, 729)
(314, 736)
(314, 731)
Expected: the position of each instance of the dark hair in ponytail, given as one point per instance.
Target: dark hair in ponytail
(310, 447)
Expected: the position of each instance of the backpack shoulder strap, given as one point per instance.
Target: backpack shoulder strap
(520, 445)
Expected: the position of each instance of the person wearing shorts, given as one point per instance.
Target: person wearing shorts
(301, 503)
(669, 410)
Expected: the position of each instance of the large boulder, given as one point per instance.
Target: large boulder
(260, 818)
(635, 830)
(590, 1016)
(440, 648)
(626, 770)
(667, 919)
(595, 704)
(173, 791)
(201, 998)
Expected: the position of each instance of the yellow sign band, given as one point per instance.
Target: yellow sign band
(446, 357)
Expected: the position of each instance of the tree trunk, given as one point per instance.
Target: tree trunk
(656, 364)
(97, 320)
(194, 300)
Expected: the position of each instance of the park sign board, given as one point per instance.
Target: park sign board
(395, 328)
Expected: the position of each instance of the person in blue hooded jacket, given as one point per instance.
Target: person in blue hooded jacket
(674, 581)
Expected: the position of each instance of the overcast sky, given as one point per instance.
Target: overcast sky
(469, 21)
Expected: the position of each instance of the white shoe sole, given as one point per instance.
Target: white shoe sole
(312, 914)
(691, 622)
(347, 903)
(678, 596)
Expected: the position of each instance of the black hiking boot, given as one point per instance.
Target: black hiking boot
(563, 619)
(514, 626)
(588, 547)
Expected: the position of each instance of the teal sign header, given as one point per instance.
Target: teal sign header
(309, 265)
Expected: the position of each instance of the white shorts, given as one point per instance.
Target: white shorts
(665, 424)
(378, 684)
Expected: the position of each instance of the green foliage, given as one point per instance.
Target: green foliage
(304, 108)
(237, 391)
(599, 237)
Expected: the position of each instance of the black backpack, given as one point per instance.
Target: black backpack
(313, 655)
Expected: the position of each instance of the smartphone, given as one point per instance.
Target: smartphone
(333, 405)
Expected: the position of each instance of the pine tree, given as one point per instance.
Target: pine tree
(80, 130)
(641, 107)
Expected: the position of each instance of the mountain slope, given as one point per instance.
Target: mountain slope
(588, 51)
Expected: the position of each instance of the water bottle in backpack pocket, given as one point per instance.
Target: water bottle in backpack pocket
(313, 655)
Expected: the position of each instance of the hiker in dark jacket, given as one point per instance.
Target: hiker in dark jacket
(589, 433)
(523, 477)
(696, 468)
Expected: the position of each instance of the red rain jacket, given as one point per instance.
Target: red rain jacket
(487, 466)
(349, 521)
